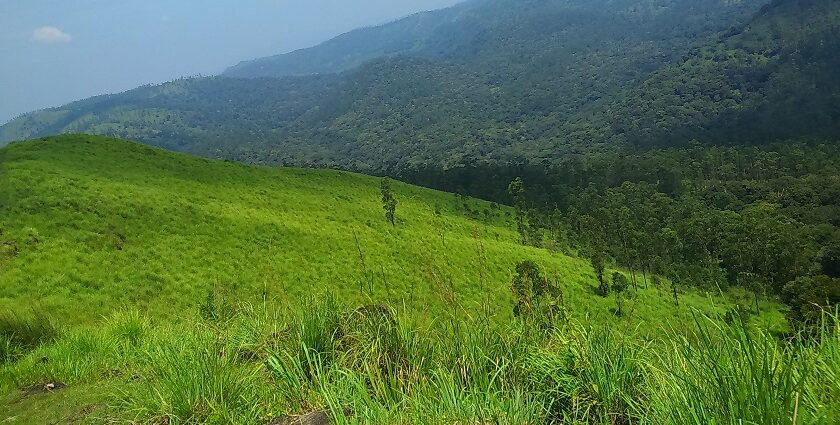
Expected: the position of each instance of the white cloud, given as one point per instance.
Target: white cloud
(50, 35)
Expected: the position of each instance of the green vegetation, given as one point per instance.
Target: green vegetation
(98, 224)
(169, 115)
(389, 202)
(638, 277)
(160, 287)
(492, 80)
(761, 218)
(497, 83)
(771, 79)
(385, 366)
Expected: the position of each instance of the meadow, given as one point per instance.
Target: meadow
(162, 288)
(91, 225)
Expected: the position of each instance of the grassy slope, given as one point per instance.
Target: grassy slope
(102, 224)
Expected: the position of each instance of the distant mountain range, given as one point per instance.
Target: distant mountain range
(499, 81)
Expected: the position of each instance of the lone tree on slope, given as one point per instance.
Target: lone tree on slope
(516, 190)
(619, 285)
(597, 261)
(389, 202)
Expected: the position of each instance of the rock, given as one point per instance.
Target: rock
(43, 388)
(318, 417)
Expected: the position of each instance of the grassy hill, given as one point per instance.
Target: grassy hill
(163, 288)
(91, 224)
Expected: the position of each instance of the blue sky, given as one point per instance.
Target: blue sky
(57, 51)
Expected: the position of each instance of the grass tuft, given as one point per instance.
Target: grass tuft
(20, 334)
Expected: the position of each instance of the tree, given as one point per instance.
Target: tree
(537, 300)
(528, 284)
(675, 292)
(619, 285)
(389, 202)
(597, 261)
(810, 297)
(830, 259)
(516, 189)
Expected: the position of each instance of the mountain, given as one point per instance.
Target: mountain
(189, 115)
(413, 34)
(775, 78)
(494, 81)
(513, 30)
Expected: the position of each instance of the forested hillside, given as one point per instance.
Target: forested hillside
(603, 212)
(497, 30)
(169, 115)
(412, 34)
(777, 77)
(530, 83)
(765, 218)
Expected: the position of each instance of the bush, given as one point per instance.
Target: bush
(590, 376)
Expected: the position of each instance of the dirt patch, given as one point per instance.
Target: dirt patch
(43, 388)
(318, 417)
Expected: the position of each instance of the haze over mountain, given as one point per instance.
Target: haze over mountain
(111, 46)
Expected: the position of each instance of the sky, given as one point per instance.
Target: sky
(57, 51)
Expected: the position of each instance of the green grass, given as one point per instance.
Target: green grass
(392, 368)
(19, 334)
(163, 288)
(91, 224)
